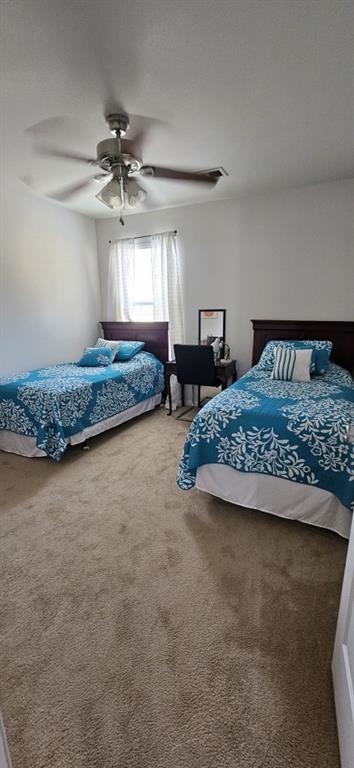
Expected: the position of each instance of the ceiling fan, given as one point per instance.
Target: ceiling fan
(121, 163)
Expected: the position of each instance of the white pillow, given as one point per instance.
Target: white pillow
(302, 367)
(292, 364)
(108, 343)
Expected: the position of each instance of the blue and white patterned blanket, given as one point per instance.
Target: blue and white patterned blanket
(297, 431)
(51, 404)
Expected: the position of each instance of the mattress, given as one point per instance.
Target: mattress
(277, 496)
(26, 445)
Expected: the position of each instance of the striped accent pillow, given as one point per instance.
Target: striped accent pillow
(284, 364)
(108, 343)
(292, 364)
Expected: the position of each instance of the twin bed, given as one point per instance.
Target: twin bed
(44, 411)
(281, 447)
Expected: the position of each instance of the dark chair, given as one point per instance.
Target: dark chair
(195, 366)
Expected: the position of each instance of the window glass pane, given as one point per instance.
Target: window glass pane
(142, 276)
(143, 312)
(143, 303)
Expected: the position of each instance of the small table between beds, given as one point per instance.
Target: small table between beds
(225, 370)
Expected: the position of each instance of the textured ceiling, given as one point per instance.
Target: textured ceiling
(263, 88)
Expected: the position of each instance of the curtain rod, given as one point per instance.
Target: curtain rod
(142, 237)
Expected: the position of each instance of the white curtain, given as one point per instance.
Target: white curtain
(119, 296)
(166, 283)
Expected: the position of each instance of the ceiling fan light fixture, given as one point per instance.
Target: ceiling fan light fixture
(110, 195)
(134, 194)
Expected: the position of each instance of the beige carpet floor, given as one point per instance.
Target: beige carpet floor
(146, 627)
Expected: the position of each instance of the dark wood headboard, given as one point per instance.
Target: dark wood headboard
(155, 335)
(340, 333)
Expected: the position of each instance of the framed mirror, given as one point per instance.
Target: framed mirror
(211, 325)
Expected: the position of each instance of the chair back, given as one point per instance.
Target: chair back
(195, 365)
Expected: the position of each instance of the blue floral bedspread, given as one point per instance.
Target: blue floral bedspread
(298, 431)
(53, 403)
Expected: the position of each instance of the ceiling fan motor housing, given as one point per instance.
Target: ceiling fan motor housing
(108, 155)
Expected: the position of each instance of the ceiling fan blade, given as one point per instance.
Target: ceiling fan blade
(139, 128)
(66, 192)
(50, 128)
(100, 177)
(134, 146)
(64, 155)
(176, 175)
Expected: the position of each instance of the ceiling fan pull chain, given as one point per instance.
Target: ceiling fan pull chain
(122, 194)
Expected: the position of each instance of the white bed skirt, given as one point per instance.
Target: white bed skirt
(275, 495)
(26, 446)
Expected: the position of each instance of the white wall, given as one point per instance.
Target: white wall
(285, 255)
(49, 282)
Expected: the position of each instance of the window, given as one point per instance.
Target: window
(144, 284)
(142, 297)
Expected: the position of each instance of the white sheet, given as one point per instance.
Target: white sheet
(275, 495)
(26, 446)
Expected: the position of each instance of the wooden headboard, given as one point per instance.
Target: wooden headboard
(340, 333)
(155, 335)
